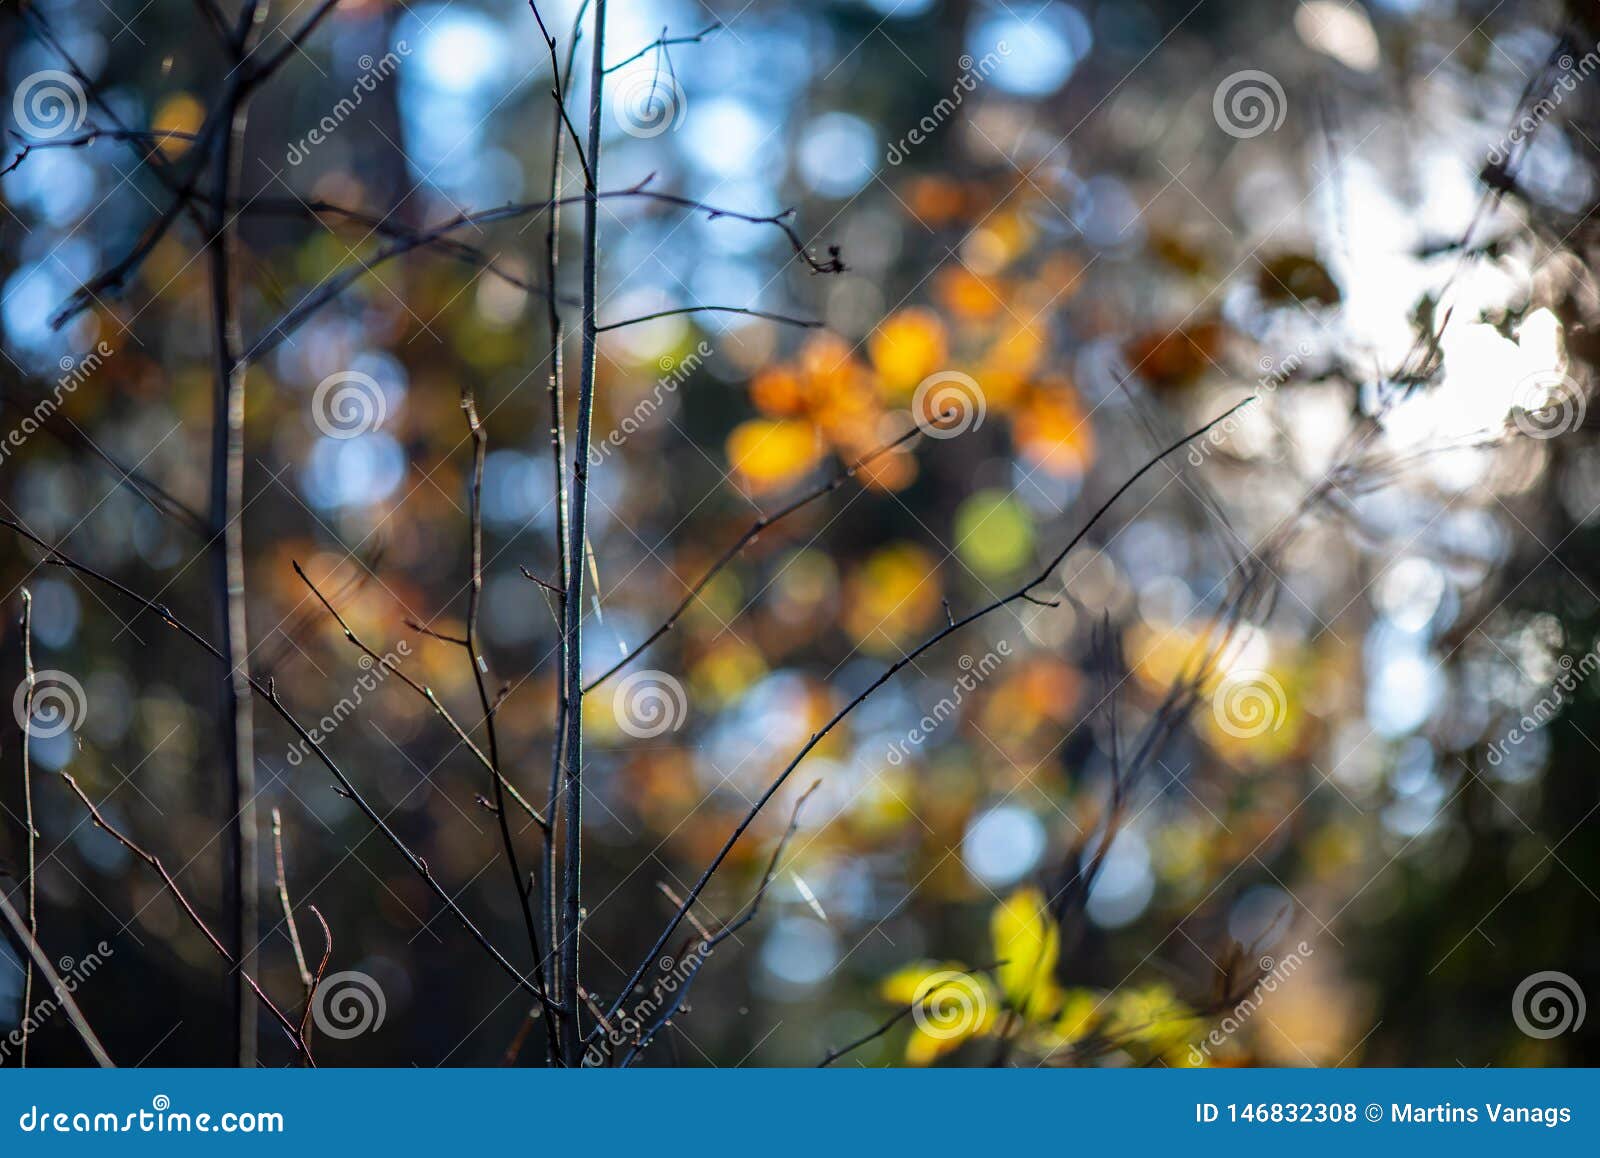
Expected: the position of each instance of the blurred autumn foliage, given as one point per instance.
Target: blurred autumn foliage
(1262, 709)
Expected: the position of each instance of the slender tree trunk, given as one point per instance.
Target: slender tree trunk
(558, 452)
(27, 812)
(561, 79)
(572, 907)
(236, 719)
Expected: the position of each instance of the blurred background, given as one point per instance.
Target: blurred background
(1098, 224)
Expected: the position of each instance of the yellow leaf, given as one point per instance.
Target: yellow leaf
(892, 595)
(1081, 1011)
(769, 454)
(948, 1006)
(906, 984)
(180, 113)
(1151, 1016)
(1052, 431)
(1027, 940)
(906, 348)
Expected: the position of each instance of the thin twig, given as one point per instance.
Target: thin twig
(385, 226)
(346, 787)
(423, 690)
(312, 983)
(217, 22)
(884, 677)
(296, 39)
(161, 500)
(288, 909)
(480, 446)
(746, 311)
(336, 284)
(214, 134)
(664, 41)
(41, 959)
(750, 535)
(709, 943)
(558, 94)
(89, 137)
(27, 814)
(195, 919)
(416, 625)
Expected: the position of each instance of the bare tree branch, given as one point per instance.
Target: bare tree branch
(480, 442)
(423, 690)
(750, 535)
(335, 285)
(56, 557)
(311, 987)
(195, 919)
(572, 605)
(288, 909)
(27, 814)
(664, 41)
(642, 1042)
(39, 958)
(803, 323)
(884, 677)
